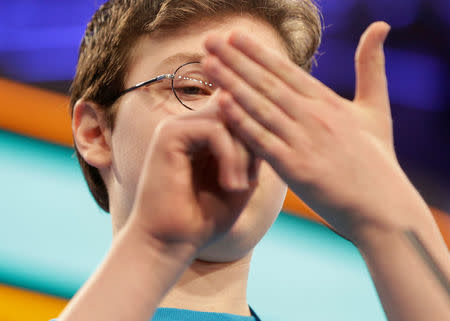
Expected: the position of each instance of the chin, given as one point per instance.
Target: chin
(256, 219)
(213, 255)
(240, 240)
(219, 259)
(226, 249)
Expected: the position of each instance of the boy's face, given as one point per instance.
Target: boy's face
(141, 111)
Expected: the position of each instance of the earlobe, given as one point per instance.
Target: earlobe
(91, 135)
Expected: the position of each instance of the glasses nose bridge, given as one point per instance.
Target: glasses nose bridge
(165, 76)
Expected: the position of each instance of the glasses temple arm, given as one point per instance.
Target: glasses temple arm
(145, 83)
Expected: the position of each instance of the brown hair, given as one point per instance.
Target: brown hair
(115, 27)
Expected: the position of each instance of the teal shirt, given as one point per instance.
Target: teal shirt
(170, 314)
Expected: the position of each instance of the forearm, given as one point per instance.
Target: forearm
(407, 287)
(130, 283)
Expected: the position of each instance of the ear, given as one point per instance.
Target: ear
(91, 135)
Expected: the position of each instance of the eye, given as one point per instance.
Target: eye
(192, 87)
(192, 90)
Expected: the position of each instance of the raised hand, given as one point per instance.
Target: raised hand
(337, 155)
(194, 183)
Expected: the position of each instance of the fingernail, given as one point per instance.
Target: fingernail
(244, 184)
(226, 106)
(232, 182)
(235, 183)
(212, 43)
(388, 29)
(210, 63)
(238, 182)
(237, 38)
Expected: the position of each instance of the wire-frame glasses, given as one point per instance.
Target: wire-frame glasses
(189, 85)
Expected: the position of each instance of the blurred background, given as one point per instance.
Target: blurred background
(52, 235)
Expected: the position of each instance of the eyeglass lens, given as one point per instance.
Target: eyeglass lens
(191, 86)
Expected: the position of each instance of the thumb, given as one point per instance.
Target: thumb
(371, 82)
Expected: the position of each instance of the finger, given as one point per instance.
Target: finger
(210, 111)
(255, 104)
(195, 133)
(242, 156)
(259, 78)
(253, 170)
(278, 64)
(249, 163)
(371, 83)
(261, 141)
(244, 160)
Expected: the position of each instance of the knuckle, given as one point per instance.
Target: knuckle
(235, 87)
(217, 128)
(236, 122)
(262, 142)
(306, 170)
(217, 134)
(264, 113)
(267, 84)
(303, 158)
(331, 98)
(323, 121)
(290, 98)
(375, 59)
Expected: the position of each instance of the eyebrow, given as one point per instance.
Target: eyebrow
(181, 58)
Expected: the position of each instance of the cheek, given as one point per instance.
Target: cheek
(130, 140)
(256, 219)
(263, 207)
(129, 155)
(267, 201)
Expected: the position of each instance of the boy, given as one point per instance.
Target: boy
(187, 132)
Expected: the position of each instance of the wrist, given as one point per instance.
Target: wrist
(392, 217)
(385, 234)
(374, 235)
(177, 253)
(134, 277)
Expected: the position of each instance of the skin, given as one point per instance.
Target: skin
(122, 158)
(139, 116)
(268, 109)
(306, 132)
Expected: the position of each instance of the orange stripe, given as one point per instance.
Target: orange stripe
(295, 205)
(443, 221)
(43, 114)
(33, 112)
(20, 305)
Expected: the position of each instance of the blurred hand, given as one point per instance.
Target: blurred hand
(194, 182)
(337, 155)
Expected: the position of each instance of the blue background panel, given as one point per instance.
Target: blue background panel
(53, 236)
(52, 233)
